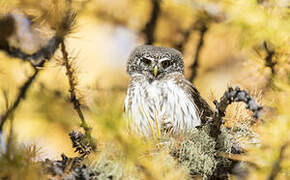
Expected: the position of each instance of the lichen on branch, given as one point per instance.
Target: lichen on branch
(230, 96)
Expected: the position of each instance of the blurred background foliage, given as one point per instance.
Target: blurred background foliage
(234, 42)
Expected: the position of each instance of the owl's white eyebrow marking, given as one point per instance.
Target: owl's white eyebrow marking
(163, 59)
(149, 58)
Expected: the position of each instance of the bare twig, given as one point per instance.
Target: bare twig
(206, 17)
(277, 165)
(195, 64)
(45, 52)
(150, 27)
(8, 26)
(70, 72)
(72, 84)
(21, 95)
(230, 96)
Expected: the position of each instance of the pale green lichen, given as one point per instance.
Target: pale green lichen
(200, 153)
(107, 169)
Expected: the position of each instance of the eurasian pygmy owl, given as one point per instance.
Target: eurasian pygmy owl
(158, 96)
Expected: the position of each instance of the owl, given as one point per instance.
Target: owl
(159, 99)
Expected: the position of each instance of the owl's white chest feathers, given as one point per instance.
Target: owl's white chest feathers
(150, 105)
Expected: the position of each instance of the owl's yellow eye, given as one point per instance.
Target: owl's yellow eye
(165, 64)
(146, 61)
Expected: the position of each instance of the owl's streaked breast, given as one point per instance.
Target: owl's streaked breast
(149, 105)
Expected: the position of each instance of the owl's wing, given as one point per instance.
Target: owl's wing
(205, 111)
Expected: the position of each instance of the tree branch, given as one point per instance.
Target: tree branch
(230, 96)
(195, 64)
(150, 27)
(72, 84)
(21, 95)
(70, 72)
(8, 26)
(45, 52)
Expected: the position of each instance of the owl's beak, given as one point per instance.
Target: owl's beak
(155, 71)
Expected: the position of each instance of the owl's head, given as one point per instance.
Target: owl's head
(155, 62)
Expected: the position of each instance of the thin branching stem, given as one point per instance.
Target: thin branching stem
(21, 95)
(200, 44)
(72, 84)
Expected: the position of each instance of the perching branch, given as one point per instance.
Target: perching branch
(21, 95)
(150, 27)
(230, 96)
(195, 64)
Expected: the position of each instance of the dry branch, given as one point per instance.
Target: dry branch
(7, 29)
(150, 27)
(21, 95)
(45, 52)
(230, 96)
(8, 26)
(195, 64)
(70, 72)
(72, 78)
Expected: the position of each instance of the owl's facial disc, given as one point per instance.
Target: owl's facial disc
(155, 62)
